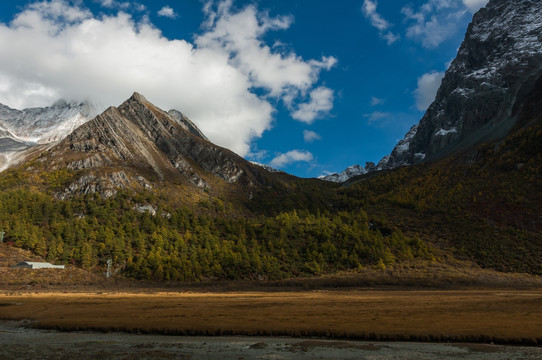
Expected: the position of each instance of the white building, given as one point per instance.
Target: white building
(37, 265)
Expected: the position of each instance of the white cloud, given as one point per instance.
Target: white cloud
(54, 49)
(168, 12)
(377, 116)
(377, 101)
(369, 10)
(428, 85)
(310, 136)
(434, 22)
(321, 101)
(390, 37)
(239, 36)
(291, 157)
(475, 5)
(123, 5)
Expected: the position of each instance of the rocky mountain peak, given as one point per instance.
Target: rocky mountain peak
(497, 65)
(44, 125)
(497, 69)
(343, 176)
(125, 146)
(137, 97)
(186, 123)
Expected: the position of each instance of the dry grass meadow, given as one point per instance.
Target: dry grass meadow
(501, 316)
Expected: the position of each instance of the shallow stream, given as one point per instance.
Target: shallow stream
(18, 341)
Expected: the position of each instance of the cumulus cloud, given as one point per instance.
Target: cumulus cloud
(310, 136)
(428, 85)
(226, 80)
(291, 157)
(321, 101)
(376, 20)
(475, 5)
(168, 12)
(434, 22)
(239, 35)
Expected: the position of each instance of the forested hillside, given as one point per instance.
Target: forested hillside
(483, 203)
(207, 242)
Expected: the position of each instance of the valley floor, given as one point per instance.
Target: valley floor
(19, 343)
(486, 316)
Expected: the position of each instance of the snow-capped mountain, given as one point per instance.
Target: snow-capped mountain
(21, 130)
(266, 167)
(498, 64)
(347, 174)
(47, 124)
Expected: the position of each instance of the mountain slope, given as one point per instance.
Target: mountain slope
(138, 146)
(482, 204)
(21, 130)
(497, 65)
(136, 186)
(45, 125)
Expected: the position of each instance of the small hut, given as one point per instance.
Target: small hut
(37, 265)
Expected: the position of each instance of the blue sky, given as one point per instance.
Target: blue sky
(309, 87)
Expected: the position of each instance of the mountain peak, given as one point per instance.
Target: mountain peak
(47, 124)
(499, 61)
(137, 140)
(138, 97)
(345, 175)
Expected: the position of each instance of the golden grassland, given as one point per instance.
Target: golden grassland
(501, 316)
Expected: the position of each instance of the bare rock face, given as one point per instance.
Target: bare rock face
(105, 185)
(186, 123)
(497, 66)
(144, 140)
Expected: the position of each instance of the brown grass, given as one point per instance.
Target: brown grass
(503, 316)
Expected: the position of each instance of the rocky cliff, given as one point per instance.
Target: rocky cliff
(496, 68)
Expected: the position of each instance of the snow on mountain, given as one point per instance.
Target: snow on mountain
(266, 167)
(47, 124)
(345, 175)
(497, 65)
(496, 68)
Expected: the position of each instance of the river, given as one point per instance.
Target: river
(17, 341)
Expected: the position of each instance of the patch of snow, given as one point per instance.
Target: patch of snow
(402, 147)
(266, 167)
(382, 164)
(345, 175)
(411, 133)
(419, 156)
(443, 132)
(462, 92)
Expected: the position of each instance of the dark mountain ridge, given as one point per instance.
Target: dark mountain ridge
(497, 66)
